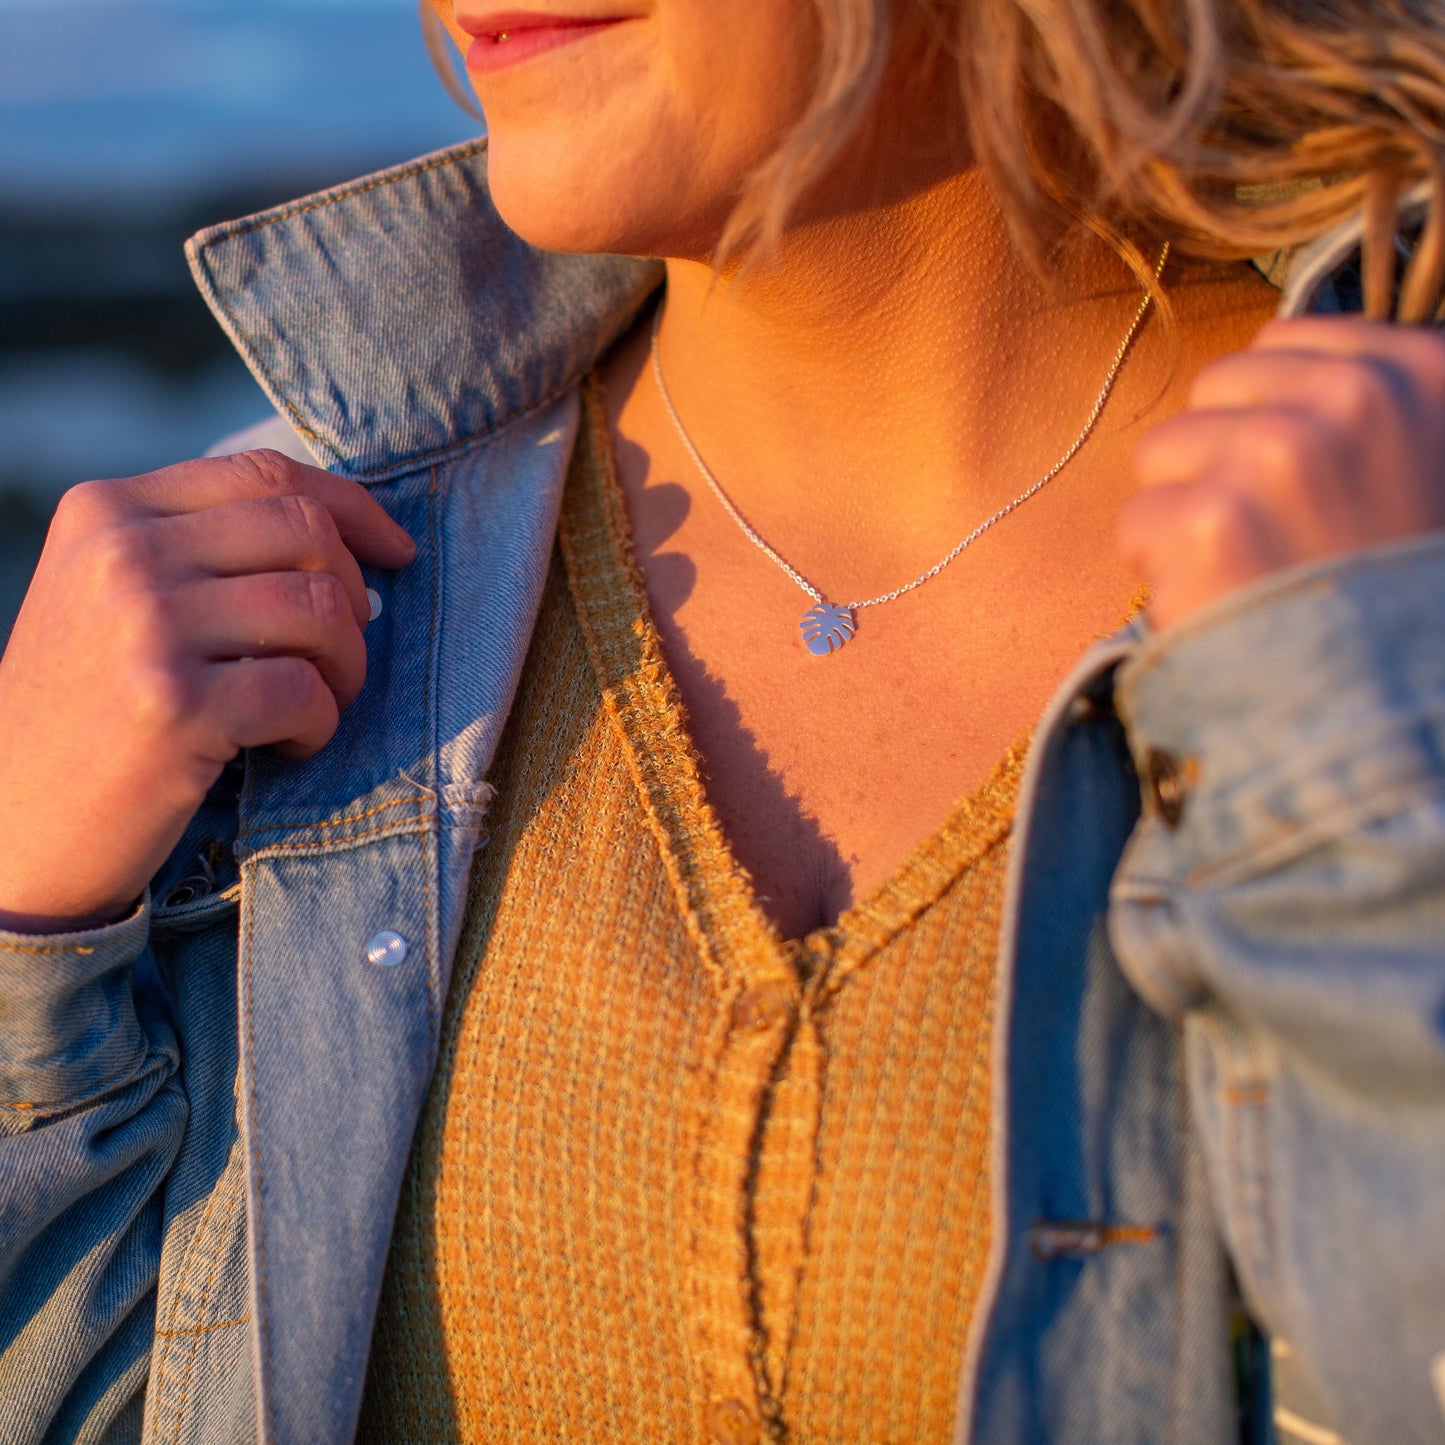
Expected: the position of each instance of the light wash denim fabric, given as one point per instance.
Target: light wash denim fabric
(1221, 1027)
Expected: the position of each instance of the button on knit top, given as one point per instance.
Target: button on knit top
(678, 1179)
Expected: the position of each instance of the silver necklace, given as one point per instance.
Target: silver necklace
(826, 626)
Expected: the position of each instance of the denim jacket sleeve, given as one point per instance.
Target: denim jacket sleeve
(1284, 896)
(91, 1117)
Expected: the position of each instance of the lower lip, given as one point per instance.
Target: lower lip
(485, 55)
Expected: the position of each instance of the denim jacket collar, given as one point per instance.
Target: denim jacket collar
(395, 321)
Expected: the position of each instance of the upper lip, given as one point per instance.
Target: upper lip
(495, 22)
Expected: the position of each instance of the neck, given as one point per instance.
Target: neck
(909, 342)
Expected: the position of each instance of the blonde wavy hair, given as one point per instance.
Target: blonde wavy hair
(1230, 128)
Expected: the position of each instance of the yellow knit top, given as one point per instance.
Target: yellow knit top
(678, 1179)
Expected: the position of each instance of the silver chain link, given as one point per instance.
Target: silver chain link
(797, 577)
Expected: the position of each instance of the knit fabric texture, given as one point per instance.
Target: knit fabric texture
(678, 1179)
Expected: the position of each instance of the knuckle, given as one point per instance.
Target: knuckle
(322, 596)
(272, 473)
(1281, 443)
(85, 506)
(1355, 393)
(1220, 521)
(118, 561)
(158, 696)
(143, 625)
(283, 688)
(299, 698)
(298, 684)
(309, 519)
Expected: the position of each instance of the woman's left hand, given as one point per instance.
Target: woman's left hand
(1326, 436)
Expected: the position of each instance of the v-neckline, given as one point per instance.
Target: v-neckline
(713, 888)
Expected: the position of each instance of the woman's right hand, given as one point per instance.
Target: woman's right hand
(174, 619)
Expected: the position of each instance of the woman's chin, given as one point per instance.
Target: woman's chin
(548, 205)
(573, 213)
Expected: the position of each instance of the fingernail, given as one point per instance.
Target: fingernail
(373, 603)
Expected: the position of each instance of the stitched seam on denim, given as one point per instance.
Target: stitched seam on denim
(335, 822)
(262, 1309)
(1341, 570)
(202, 1329)
(1259, 1228)
(249, 228)
(1191, 629)
(357, 188)
(235, 1195)
(1254, 1232)
(1155, 983)
(415, 462)
(181, 1277)
(461, 444)
(418, 459)
(1328, 827)
(1129, 1234)
(1181, 1133)
(398, 829)
(59, 1106)
(428, 933)
(433, 979)
(292, 414)
(35, 950)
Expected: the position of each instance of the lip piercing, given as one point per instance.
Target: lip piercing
(500, 36)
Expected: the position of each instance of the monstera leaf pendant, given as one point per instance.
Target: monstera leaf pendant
(826, 627)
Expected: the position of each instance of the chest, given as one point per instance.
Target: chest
(827, 771)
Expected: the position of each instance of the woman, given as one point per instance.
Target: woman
(753, 1115)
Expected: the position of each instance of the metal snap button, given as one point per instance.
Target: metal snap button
(186, 891)
(730, 1422)
(386, 949)
(1168, 779)
(373, 602)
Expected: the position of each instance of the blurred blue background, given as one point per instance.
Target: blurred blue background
(124, 126)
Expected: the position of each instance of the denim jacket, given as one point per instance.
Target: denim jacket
(1220, 1056)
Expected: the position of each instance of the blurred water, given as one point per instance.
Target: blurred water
(124, 126)
(63, 412)
(130, 103)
